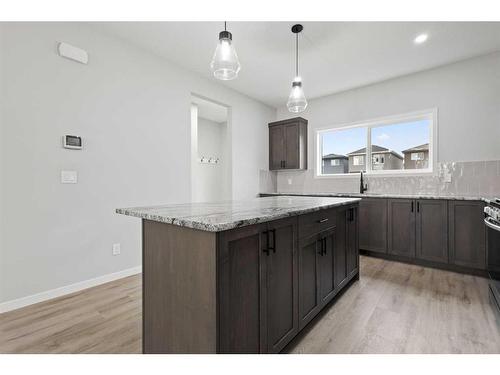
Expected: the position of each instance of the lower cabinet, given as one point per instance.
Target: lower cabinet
(271, 283)
(432, 230)
(327, 261)
(258, 288)
(401, 228)
(373, 225)
(309, 303)
(467, 235)
(280, 285)
(418, 229)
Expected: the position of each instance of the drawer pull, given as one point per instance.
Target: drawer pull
(323, 220)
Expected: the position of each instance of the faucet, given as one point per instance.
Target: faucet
(362, 186)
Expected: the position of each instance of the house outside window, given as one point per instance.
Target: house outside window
(399, 144)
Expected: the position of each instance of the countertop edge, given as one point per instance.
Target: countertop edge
(231, 225)
(387, 196)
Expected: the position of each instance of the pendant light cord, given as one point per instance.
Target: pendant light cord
(297, 55)
(225, 26)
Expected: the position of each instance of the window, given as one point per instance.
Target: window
(378, 159)
(337, 145)
(417, 156)
(396, 145)
(358, 160)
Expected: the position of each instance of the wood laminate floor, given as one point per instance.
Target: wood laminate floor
(394, 308)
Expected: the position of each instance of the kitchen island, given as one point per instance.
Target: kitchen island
(242, 276)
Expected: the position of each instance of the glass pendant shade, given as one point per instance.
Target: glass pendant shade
(225, 64)
(297, 100)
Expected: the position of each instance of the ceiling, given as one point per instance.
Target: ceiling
(334, 56)
(209, 110)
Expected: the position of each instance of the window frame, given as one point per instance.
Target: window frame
(428, 114)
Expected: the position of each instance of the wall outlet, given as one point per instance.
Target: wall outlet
(116, 249)
(447, 176)
(289, 181)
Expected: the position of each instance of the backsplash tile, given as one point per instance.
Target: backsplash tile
(478, 178)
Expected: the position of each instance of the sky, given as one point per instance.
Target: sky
(397, 137)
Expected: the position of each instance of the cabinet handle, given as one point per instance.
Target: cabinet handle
(266, 249)
(273, 248)
(411, 206)
(324, 246)
(418, 206)
(323, 220)
(320, 252)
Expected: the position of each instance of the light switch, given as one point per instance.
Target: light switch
(69, 177)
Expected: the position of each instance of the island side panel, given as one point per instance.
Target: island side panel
(179, 289)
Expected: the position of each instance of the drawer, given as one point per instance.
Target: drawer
(315, 222)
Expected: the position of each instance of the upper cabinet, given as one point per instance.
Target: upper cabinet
(288, 144)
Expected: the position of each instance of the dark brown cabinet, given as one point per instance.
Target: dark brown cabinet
(309, 303)
(240, 258)
(432, 230)
(352, 242)
(401, 228)
(280, 287)
(467, 234)
(373, 225)
(258, 288)
(288, 144)
(328, 259)
(418, 229)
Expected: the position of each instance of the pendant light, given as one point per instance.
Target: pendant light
(225, 64)
(297, 101)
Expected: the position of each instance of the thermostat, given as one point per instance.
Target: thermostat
(73, 142)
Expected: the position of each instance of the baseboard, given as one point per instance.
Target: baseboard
(68, 289)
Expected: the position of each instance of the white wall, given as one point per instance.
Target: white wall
(210, 182)
(466, 94)
(133, 111)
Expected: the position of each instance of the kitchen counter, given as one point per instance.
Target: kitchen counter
(220, 216)
(372, 195)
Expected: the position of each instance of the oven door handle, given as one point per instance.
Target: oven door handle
(491, 225)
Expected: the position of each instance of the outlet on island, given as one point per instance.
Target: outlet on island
(116, 249)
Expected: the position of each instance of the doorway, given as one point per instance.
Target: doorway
(210, 151)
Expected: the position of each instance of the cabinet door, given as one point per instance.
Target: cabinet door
(281, 290)
(276, 147)
(432, 230)
(309, 302)
(291, 141)
(331, 265)
(240, 258)
(373, 224)
(352, 241)
(401, 233)
(467, 234)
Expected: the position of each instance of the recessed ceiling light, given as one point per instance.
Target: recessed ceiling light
(421, 38)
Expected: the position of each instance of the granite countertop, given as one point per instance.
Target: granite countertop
(372, 195)
(220, 216)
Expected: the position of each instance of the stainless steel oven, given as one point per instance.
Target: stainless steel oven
(492, 222)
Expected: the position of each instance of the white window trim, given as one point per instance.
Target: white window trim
(428, 114)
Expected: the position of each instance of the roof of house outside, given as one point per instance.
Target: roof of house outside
(375, 150)
(334, 156)
(424, 147)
